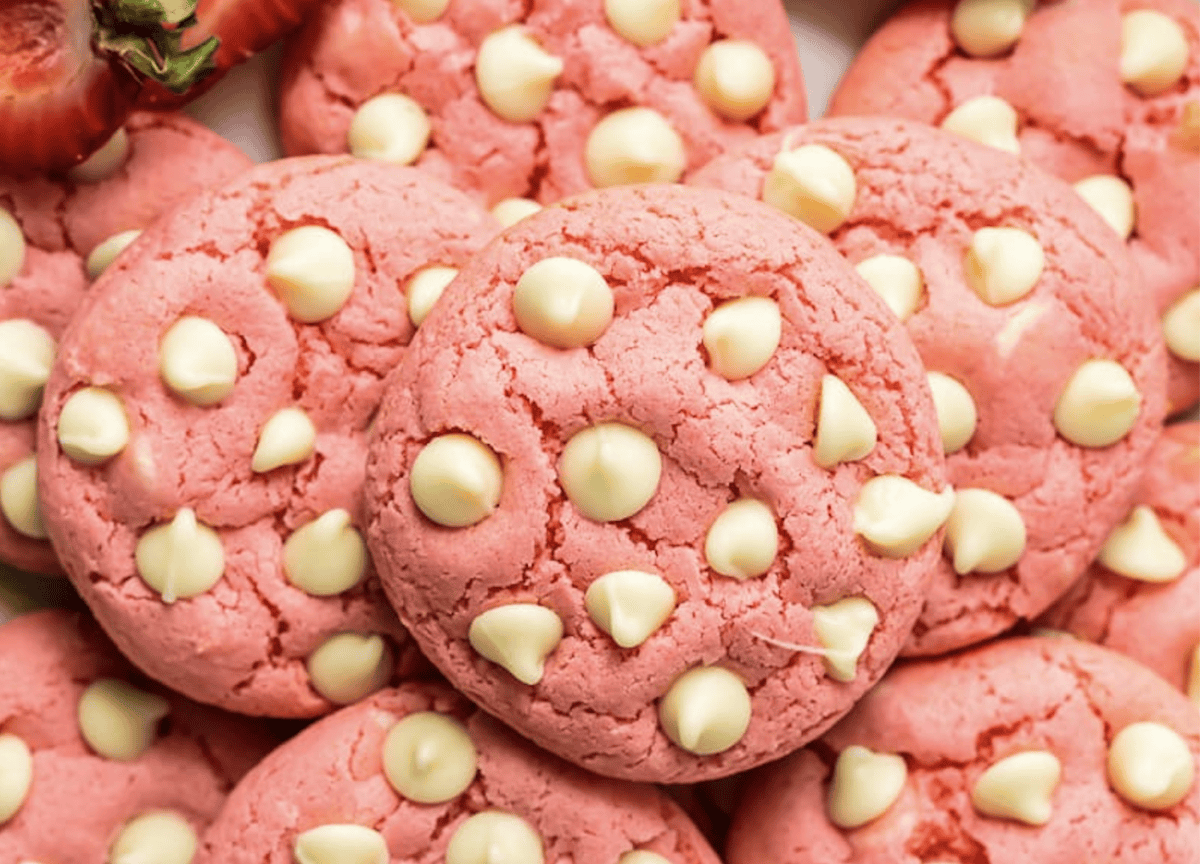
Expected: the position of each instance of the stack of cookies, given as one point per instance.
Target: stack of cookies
(569, 454)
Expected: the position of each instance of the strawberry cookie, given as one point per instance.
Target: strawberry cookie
(1103, 93)
(98, 767)
(543, 99)
(661, 486)
(201, 475)
(418, 774)
(55, 234)
(1025, 751)
(1142, 596)
(1047, 370)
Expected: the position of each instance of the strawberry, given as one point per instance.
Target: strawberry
(70, 71)
(244, 27)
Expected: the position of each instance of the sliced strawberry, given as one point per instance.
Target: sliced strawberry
(70, 71)
(244, 27)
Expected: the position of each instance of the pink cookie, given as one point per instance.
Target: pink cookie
(1142, 597)
(481, 789)
(627, 547)
(1047, 370)
(48, 228)
(543, 99)
(1088, 88)
(87, 749)
(202, 474)
(1026, 751)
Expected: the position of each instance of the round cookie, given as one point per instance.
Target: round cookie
(202, 475)
(1121, 103)
(544, 99)
(629, 549)
(481, 794)
(49, 228)
(1047, 370)
(1026, 750)
(1142, 597)
(92, 758)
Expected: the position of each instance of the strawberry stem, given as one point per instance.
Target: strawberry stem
(146, 38)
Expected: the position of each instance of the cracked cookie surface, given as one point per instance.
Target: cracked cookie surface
(740, 544)
(79, 800)
(342, 771)
(1149, 606)
(570, 68)
(928, 200)
(949, 720)
(203, 447)
(167, 159)
(1074, 117)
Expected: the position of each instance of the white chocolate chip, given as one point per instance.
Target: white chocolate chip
(287, 438)
(987, 120)
(985, 532)
(610, 471)
(424, 289)
(180, 559)
(312, 270)
(845, 431)
(510, 211)
(634, 145)
(390, 128)
(1150, 766)
(1140, 549)
(158, 837)
(12, 248)
(515, 75)
(1020, 319)
(743, 540)
(325, 557)
(105, 252)
(630, 605)
(429, 758)
(92, 427)
(19, 498)
(1098, 406)
(741, 336)
(844, 628)
(347, 667)
(492, 837)
(1181, 326)
(16, 775)
(736, 78)
(456, 481)
(197, 361)
(423, 11)
(563, 302)
(519, 637)
(1154, 51)
(813, 184)
(705, 711)
(1019, 787)
(105, 162)
(865, 784)
(642, 22)
(26, 355)
(895, 279)
(896, 516)
(118, 720)
(1193, 678)
(641, 856)
(1112, 198)
(956, 412)
(1002, 265)
(987, 28)
(341, 844)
